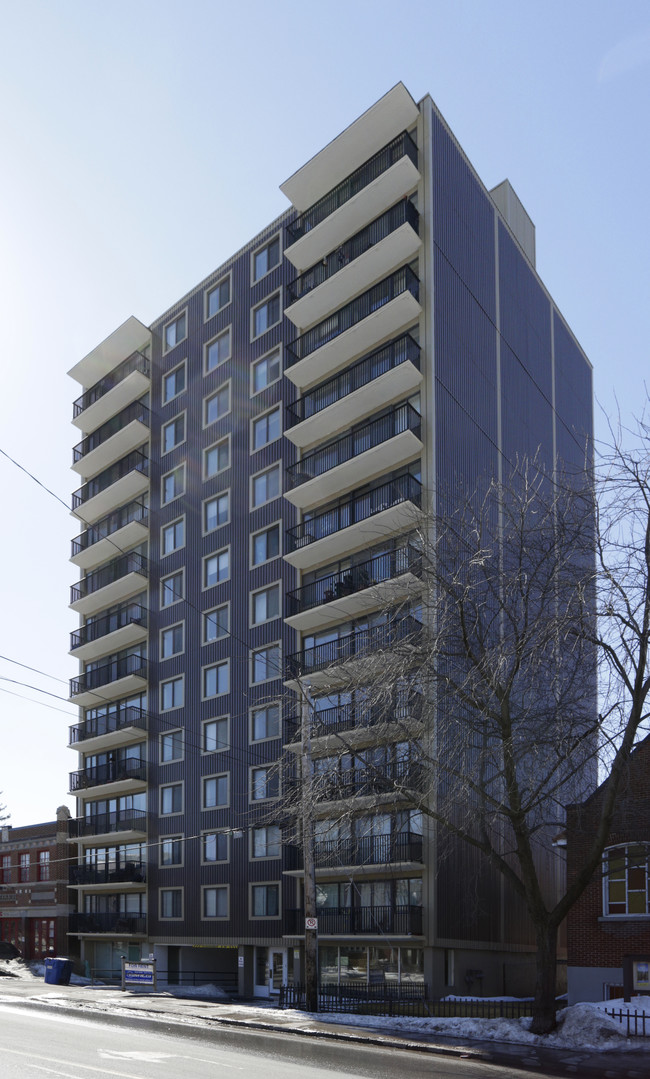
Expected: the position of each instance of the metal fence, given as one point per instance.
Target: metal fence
(408, 1000)
(637, 1024)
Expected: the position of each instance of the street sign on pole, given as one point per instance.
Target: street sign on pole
(311, 923)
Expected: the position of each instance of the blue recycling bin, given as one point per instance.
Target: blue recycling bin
(58, 971)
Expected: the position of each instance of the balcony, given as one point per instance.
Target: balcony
(104, 587)
(108, 873)
(378, 315)
(121, 482)
(126, 383)
(114, 439)
(120, 726)
(124, 528)
(378, 446)
(116, 924)
(329, 661)
(110, 633)
(118, 678)
(132, 336)
(125, 772)
(131, 824)
(369, 851)
(380, 247)
(371, 921)
(349, 717)
(355, 522)
(389, 175)
(384, 580)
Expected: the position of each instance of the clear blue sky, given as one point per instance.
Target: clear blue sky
(144, 142)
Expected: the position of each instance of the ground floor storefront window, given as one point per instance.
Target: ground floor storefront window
(374, 965)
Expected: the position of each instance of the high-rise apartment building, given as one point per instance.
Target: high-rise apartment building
(253, 464)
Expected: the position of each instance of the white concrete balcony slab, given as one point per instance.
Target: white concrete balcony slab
(130, 437)
(355, 537)
(125, 736)
(109, 691)
(110, 643)
(113, 592)
(134, 386)
(131, 336)
(111, 790)
(86, 556)
(125, 489)
(377, 597)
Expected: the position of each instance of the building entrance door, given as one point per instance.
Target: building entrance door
(277, 969)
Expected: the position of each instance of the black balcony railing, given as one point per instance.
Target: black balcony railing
(354, 378)
(135, 411)
(117, 668)
(135, 362)
(108, 574)
(354, 508)
(110, 772)
(380, 162)
(404, 213)
(404, 280)
(388, 778)
(131, 614)
(133, 511)
(383, 567)
(115, 872)
(119, 820)
(116, 720)
(345, 717)
(332, 921)
(134, 924)
(353, 645)
(133, 462)
(364, 437)
(369, 850)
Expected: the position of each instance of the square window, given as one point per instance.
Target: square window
(216, 405)
(173, 536)
(173, 384)
(217, 297)
(265, 545)
(171, 799)
(216, 624)
(215, 902)
(265, 900)
(173, 485)
(266, 315)
(214, 847)
(216, 680)
(171, 746)
(264, 783)
(173, 433)
(266, 663)
(215, 791)
(266, 258)
(217, 351)
(215, 735)
(216, 458)
(172, 694)
(266, 486)
(216, 568)
(264, 372)
(265, 605)
(267, 842)
(266, 428)
(171, 850)
(171, 902)
(175, 331)
(265, 722)
(172, 641)
(172, 589)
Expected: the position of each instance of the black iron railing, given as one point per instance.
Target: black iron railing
(384, 997)
(110, 772)
(117, 719)
(135, 411)
(400, 920)
(383, 567)
(119, 820)
(353, 645)
(369, 850)
(108, 574)
(387, 778)
(380, 162)
(404, 213)
(130, 614)
(112, 872)
(364, 437)
(354, 378)
(135, 924)
(135, 362)
(122, 667)
(132, 511)
(404, 280)
(133, 462)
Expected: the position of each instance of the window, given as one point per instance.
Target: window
(171, 641)
(215, 791)
(171, 799)
(217, 351)
(173, 485)
(6, 869)
(266, 258)
(266, 315)
(265, 605)
(265, 545)
(266, 663)
(173, 536)
(173, 383)
(173, 433)
(214, 847)
(265, 900)
(43, 865)
(216, 405)
(216, 624)
(264, 783)
(265, 722)
(216, 679)
(171, 746)
(171, 902)
(172, 693)
(266, 842)
(216, 458)
(216, 512)
(215, 735)
(265, 371)
(626, 884)
(175, 331)
(171, 850)
(266, 486)
(266, 429)
(217, 297)
(24, 867)
(215, 902)
(171, 589)
(216, 568)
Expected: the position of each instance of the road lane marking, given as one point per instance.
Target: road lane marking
(66, 1063)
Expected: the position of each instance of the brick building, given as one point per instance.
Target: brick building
(611, 920)
(34, 898)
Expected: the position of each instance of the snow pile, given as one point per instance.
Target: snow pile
(205, 992)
